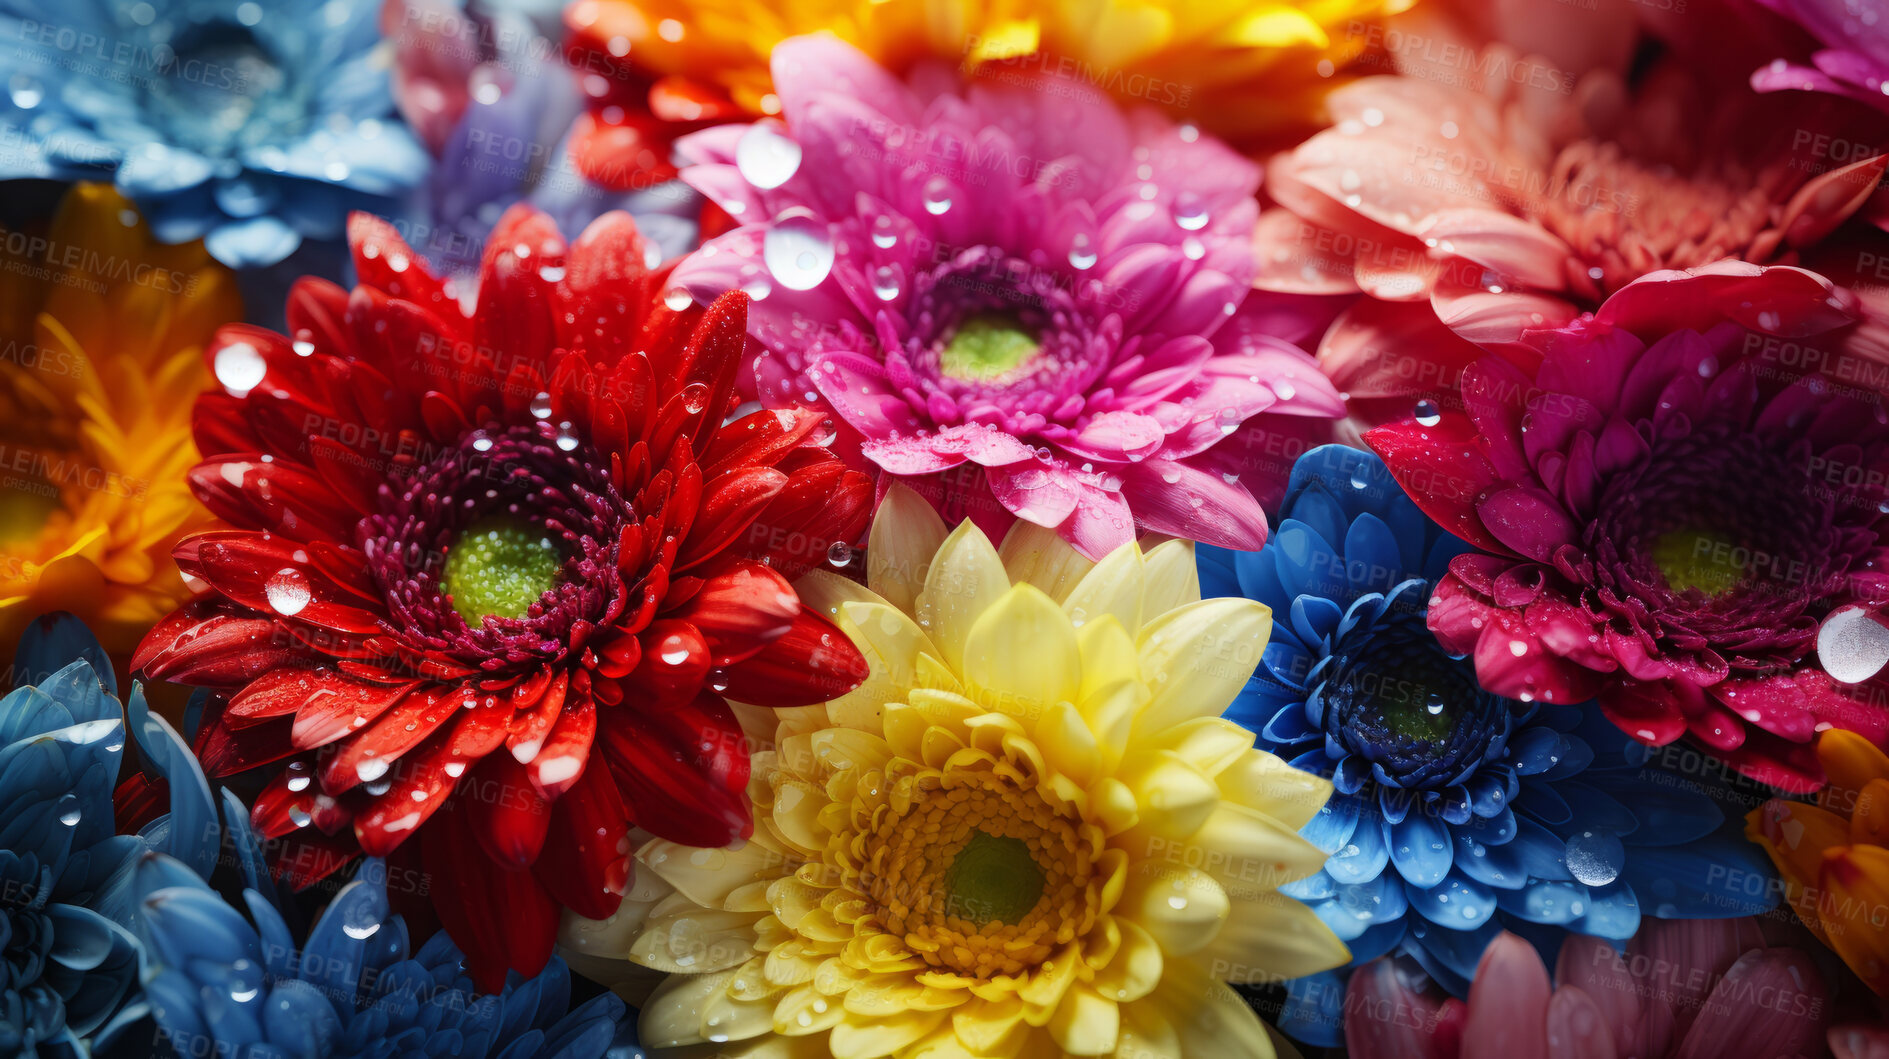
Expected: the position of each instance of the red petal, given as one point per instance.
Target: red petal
(373, 750)
(1429, 463)
(813, 662)
(585, 861)
(683, 771)
(502, 920)
(505, 811)
(205, 645)
(741, 611)
(730, 504)
(675, 660)
(565, 756)
(382, 259)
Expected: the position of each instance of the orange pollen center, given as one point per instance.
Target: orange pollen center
(951, 867)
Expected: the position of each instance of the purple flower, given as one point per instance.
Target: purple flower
(1020, 299)
(1854, 59)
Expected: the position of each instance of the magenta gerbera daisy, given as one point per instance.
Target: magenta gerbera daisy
(1665, 508)
(1022, 300)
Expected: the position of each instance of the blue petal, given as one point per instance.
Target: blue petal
(1372, 563)
(1317, 886)
(1536, 749)
(1591, 810)
(1421, 849)
(1720, 877)
(1215, 567)
(1668, 815)
(156, 170)
(194, 837)
(1542, 802)
(1457, 903)
(1613, 912)
(1314, 1009)
(253, 242)
(1331, 827)
(1497, 866)
(1543, 855)
(1258, 573)
(1363, 857)
(1545, 901)
(1455, 952)
(55, 641)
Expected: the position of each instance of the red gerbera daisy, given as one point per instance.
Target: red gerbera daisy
(515, 554)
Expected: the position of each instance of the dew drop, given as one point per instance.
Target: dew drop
(1427, 413)
(937, 196)
(765, 157)
(287, 591)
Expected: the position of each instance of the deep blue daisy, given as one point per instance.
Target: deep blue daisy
(1456, 813)
(252, 124)
(219, 982)
(226, 984)
(70, 953)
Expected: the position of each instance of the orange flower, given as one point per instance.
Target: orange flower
(1834, 855)
(102, 331)
(1241, 69)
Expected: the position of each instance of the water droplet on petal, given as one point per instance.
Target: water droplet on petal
(766, 158)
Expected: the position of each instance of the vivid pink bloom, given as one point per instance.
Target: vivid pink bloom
(1485, 198)
(1665, 509)
(1683, 989)
(1015, 288)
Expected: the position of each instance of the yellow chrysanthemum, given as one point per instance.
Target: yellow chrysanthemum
(1239, 68)
(1029, 833)
(104, 330)
(1834, 855)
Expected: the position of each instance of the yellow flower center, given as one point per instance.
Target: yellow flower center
(979, 875)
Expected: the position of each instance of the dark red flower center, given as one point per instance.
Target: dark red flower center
(501, 551)
(1717, 543)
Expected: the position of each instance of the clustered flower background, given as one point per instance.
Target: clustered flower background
(787, 530)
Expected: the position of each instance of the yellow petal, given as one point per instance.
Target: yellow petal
(1171, 577)
(1020, 656)
(1869, 823)
(1263, 781)
(989, 1027)
(1849, 763)
(1198, 657)
(1035, 555)
(1269, 937)
(672, 1016)
(964, 580)
(1115, 586)
(1173, 797)
(1209, 1018)
(1210, 744)
(1068, 744)
(1247, 850)
(708, 876)
(869, 1039)
(1085, 1023)
(906, 533)
(1108, 655)
(806, 1010)
(1136, 967)
(1182, 908)
(1856, 890)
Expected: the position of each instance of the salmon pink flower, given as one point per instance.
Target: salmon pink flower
(514, 553)
(1469, 208)
(1017, 287)
(1682, 989)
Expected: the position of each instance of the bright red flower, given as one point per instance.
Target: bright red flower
(516, 554)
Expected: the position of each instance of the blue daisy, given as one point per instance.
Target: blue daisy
(253, 124)
(230, 984)
(218, 982)
(70, 953)
(1456, 813)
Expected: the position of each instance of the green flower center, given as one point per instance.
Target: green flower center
(994, 879)
(498, 567)
(1698, 559)
(1416, 711)
(987, 346)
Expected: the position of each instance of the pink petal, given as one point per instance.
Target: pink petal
(1386, 1019)
(1577, 1029)
(1508, 1003)
(1183, 499)
(1518, 251)
(1771, 1002)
